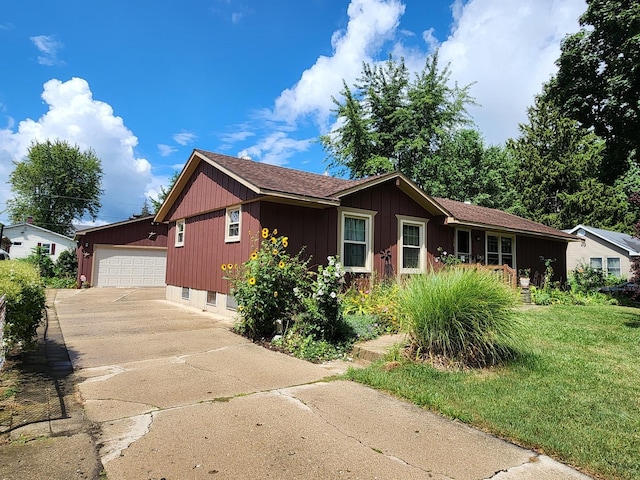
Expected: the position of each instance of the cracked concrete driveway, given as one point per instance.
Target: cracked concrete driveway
(176, 395)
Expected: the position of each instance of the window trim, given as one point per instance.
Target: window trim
(368, 216)
(227, 223)
(180, 223)
(500, 237)
(619, 275)
(457, 250)
(601, 268)
(422, 256)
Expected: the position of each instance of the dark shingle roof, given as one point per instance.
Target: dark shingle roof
(483, 216)
(622, 240)
(280, 179)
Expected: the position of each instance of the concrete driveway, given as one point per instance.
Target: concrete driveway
(175, 395)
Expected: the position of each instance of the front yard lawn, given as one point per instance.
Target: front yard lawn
(574, 394)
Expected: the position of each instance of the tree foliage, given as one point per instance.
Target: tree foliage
(558, 181)
(55, 184)
(389, 122)
(598, 82)
(157, 202)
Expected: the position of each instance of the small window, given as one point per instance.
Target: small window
(212, 298)
(356, 241)
(411, 244)
(233, 218)
(47, 248)
(180, 230)
(185, 293)
(463, 245)
(613, 267)
(595, 263)
(17, 243)
(232, 304)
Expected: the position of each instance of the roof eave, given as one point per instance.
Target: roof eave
(485, 226)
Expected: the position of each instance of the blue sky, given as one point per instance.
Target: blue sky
(145, 82)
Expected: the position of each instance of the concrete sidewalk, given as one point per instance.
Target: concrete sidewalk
(174, 394)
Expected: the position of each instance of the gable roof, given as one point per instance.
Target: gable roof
(469, 215)
(10, 228)
(312, 188)
(621, 240)
(84, 231)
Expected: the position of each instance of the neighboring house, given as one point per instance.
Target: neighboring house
(25, 237)
(383, 225)
(132, 253)
(612, 252)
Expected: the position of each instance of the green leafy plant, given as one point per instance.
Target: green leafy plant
(269, 287)
(25, 301)
(447, 259)
(327, 290)
(379, 300)
(67, 264)
(460, 315)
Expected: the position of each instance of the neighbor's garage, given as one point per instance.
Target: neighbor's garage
(129, 267)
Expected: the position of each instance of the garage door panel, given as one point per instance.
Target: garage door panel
(129, 267)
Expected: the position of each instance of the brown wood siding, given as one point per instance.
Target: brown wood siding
(314, 229)
(198, 263)
(529, 251)
(133, 234)
(207, 190)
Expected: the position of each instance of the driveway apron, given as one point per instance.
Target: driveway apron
(176, 395)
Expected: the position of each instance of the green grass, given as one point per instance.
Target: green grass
(573, 394)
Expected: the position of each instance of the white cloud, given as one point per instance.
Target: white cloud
(48, 46)
(276, 148)
(184, 138)
(509, 49)
(166, 150)
(75, 116)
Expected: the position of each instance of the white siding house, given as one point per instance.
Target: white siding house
(26, 236)
(612, 252)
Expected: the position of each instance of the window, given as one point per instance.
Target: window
(47, 248)
(17, 243)
(411, 244)
(180, 228)
(463, 245)
(500, 250)
(595, 263)
(232, 222)
(232, 304)
(355, 231)
(185, 293)
(212, 298)
(613, 266)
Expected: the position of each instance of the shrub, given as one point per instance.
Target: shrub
(380, 300)
(269, 287)
(25, 301)
(461, 315)
(67, 265)
(327, 290)
(42, 260)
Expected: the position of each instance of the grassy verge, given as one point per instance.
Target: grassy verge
(574, 394)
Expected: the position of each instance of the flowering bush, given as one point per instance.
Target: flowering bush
(447, 259)
(380, 301)
(269, 287)
(327, 294)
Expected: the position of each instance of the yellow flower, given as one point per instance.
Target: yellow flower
(285, 242)
(240, 308)
(275, 294)
(275, 251)
(275, 231)
(265, 232)
(252, 281)
(254, 255)
(224, 266)
(230, 267)
(273, 240)
(281, 264)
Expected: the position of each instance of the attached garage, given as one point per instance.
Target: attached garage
(129, 267)
(132, 253)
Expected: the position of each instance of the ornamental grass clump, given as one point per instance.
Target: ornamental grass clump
(459, 316)
(268, 287)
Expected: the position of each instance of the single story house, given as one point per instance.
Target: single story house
(379, 225)
(25, 237)
(131, 253)
(612, 252)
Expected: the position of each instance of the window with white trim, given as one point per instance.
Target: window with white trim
(595, 263)
(356, 245)
(411, 244)
(463, 245)
(232, 224)
(180, 229)
(500, 250)
(613, 266)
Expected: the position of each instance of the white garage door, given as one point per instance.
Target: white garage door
(129, 267)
